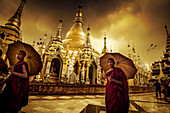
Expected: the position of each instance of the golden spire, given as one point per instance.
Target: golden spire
(166, 28)
(167, 40)
(110, 48)
(76, 36)
(79, 14)
(105, 48)
(88, 39)
(58, 35)
(129, 54)
(15, 20)
(134, 54)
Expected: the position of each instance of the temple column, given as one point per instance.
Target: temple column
(87, 74)
(44, 66)
(79, 69)
(83, 71)
(104, 77)
(96, 79)
(48, 67)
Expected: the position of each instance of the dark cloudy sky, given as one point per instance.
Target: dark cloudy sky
(141, 22)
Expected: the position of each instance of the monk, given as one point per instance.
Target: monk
(15, 94)
(117, 97)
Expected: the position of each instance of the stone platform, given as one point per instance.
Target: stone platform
(139, 103)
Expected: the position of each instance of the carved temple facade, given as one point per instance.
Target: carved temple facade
(73, 59)
(162, 68)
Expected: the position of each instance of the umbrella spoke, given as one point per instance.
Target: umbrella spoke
(127, 65)
(126, 69)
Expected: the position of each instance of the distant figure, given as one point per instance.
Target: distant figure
(3, 65)
(158, 89)
(15, 94)
(165, 89)
(117, 97)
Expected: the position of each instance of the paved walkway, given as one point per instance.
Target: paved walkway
(143, 102)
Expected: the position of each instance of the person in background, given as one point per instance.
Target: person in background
(117, 97)
(158, 89)
(15, 95)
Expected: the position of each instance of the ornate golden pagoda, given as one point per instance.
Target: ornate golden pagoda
(141, 77)
(162, 67)
(72, 60)
(11, 31)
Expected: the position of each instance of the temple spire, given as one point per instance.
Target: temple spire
(167, 48)
(166, 28)
(15, 20)
(105, 48)
(79, 13)
(58, 35)
(134, 54)
(129, 52)
(88, 37)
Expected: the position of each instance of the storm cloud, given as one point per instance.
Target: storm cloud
(139, 22)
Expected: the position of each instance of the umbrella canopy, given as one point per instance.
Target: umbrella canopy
(32, 58)
(121, 62)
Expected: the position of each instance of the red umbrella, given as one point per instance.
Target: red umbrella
(32, 58)
(121, 62)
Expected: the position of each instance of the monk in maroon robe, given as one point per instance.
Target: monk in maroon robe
(16, 92)
(117, 98)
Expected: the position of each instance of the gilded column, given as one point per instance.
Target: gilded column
(97, 75)
(79, 69)
(87, 74)
(44, 66)
(83, 71)
(48, 67)
(104, 78)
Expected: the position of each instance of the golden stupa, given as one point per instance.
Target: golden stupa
(76, 36)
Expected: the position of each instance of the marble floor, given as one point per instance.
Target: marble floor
(139, 103)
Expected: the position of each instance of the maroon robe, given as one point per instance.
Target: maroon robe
(16, 92)
(117, 97)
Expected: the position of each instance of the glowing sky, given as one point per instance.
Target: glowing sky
(141, 22)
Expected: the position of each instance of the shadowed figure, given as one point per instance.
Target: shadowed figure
(3, 65)
(15, 95)
(158, 89)
(117, 97)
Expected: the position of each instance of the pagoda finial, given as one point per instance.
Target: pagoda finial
(105, 48)
(110, 48)
(79, 13)
(58, 35)
(129, 54)
(87, 38)
(104, 34)
(15, 20)
(133, 48)
(166, 28)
